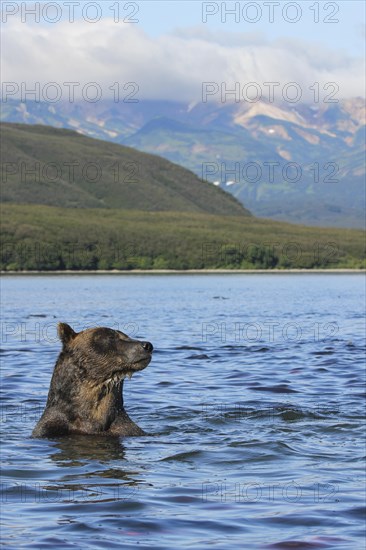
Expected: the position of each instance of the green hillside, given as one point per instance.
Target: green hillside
(140, 212)
(57, 167)
(330, 187)
(49, 238)
(220, 141)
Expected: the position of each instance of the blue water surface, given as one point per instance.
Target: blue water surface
(254, 402)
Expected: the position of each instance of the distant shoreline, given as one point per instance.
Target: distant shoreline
(189, 272)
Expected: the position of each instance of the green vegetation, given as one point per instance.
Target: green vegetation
(55, 167)
(75, 203)
(326, 189)
(48, 238)
(228, 141)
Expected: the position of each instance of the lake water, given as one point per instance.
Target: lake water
(254, 401)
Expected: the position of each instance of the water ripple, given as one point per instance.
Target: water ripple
(256, 437)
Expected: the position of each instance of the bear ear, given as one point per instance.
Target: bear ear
(65, 333)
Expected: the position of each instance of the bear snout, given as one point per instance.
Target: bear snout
(147, 346)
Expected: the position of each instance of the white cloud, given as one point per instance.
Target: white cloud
(170, 67)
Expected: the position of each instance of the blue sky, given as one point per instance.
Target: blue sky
(169, 50)
(158, 17)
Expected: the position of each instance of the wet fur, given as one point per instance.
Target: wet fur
(85, 395)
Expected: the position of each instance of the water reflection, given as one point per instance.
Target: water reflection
(76, 450)
(88, 455)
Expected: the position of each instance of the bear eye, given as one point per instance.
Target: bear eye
(102, 341)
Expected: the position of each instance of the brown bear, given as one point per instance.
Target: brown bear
(85, 395)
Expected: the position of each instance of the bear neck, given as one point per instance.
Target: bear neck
(99, 405)
(107, 394)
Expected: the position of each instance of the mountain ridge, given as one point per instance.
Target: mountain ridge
(325, 140)
(103, 224)
(58, 167)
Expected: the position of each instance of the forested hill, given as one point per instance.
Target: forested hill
(57, 167)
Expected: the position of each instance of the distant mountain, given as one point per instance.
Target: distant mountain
(293, 162)
(72, 202)
(57, 167)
